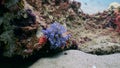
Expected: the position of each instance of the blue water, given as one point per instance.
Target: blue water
(94, 6)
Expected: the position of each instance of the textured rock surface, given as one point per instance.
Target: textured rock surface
(78, 59)
(97, 41)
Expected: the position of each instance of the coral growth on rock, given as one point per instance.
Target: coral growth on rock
(27, 26)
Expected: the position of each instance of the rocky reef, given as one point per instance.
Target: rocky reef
(22, 23)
